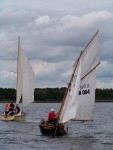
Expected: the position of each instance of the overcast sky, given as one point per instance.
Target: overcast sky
(52, 34)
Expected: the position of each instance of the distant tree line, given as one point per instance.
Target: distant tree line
(49, 94)
(104, 95)
(53, 94)
(7, 94)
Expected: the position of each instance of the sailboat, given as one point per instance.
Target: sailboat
(79, 99)
(24, 86)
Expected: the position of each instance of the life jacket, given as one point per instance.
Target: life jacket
(52, 115)
(7, 107)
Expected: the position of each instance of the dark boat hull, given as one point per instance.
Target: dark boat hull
(47, 128)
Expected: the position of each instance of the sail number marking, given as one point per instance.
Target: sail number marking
(83, 89)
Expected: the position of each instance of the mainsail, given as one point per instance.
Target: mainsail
(25, 78)
(28, 82)
(78, 103)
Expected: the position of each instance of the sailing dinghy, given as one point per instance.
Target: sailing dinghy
(79, 99)
(25, 85)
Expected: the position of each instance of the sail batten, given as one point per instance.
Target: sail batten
(90, 71)
(79, 100)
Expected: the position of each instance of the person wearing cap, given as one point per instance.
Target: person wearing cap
(52, 117)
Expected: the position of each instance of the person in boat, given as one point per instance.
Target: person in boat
(12, 105)
(52, 117)
(17, 109)
(12, 109)
(7, 107)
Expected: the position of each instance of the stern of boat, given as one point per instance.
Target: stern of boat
(20, 116)
(47, 128)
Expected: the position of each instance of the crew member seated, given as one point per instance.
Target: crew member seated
(7, 107)
(17, 109)
(52, 117)
(11, 111)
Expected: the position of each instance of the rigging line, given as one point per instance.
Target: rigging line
(90, 71)
(65, 82)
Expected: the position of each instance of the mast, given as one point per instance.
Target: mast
(19, 74)
(17, 66)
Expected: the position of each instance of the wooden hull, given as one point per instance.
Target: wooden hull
(16, 117)
(7, 118)
(51, 129)
(19, 118)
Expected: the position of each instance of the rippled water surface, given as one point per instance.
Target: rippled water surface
(95, 135)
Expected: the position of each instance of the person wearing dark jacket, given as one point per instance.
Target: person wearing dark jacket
(11, 112)
(12, 109)
(17, 109)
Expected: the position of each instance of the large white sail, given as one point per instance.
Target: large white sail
(80, 98)
(28, 81)
(25, 79)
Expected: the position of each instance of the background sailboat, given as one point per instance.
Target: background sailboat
(25, 78)
(79, 99)
(25, 84)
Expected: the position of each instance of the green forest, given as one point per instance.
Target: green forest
(53, 95)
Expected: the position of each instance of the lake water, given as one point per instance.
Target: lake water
(95, 135)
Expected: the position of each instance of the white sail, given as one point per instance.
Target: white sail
(28, 82)
(79, 101)
(25, 79)
(70, 107)
(86, 97)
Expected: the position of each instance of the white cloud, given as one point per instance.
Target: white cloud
(7, 79)
(86, 20)
(42, 20)
(104, 85)
(44, 68)
(67, 73)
